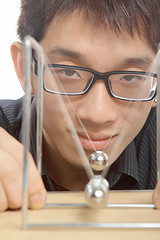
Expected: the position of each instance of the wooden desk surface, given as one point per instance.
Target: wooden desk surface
(10, 221)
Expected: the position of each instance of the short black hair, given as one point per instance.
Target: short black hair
(141, 16)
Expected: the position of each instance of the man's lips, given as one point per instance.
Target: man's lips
(96, 143)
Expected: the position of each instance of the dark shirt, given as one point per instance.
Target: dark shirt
(134, 169)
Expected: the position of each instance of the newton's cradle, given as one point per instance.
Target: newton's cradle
(96, 192)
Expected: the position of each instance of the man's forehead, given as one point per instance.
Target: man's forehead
(67, 40)
(77, 20)
(141, 61)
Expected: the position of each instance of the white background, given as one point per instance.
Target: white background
(9, 84)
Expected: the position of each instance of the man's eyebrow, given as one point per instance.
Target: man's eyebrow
(139, 62)
(65, 53)
(144, 62)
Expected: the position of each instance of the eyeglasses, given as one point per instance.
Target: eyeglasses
(73, 81)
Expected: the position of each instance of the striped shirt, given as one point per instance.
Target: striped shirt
(134, 169)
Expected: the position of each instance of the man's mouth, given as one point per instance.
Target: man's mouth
(95, 143)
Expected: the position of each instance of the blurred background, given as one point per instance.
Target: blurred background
(9, 87)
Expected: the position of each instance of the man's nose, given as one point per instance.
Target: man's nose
(97, 105)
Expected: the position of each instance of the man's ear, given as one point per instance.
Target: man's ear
(17, 57)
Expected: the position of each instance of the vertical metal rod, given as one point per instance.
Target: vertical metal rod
(26, 129)
(39, 113)
(158, 116)
(29, 44)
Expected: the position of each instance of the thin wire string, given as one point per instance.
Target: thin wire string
(119, 139)
(69, 122)
(152, 68)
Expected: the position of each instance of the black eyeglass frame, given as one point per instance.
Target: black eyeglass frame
(97, 76)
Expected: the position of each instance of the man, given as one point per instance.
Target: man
(118, 38)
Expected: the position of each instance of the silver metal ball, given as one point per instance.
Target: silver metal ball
(96, 192)
(98, 160)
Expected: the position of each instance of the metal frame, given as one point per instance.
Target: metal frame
(97, 225)
(158, 115)
(29, 45)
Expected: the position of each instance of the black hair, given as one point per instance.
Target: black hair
(140, 16)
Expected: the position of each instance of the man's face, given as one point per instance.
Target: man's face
(110, 123)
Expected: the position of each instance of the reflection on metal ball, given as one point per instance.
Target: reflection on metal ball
(96, 192)
(98, 160)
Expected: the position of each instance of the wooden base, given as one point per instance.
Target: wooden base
(10, 221)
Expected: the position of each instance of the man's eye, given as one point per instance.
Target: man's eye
(69, 73)
(131, 78)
